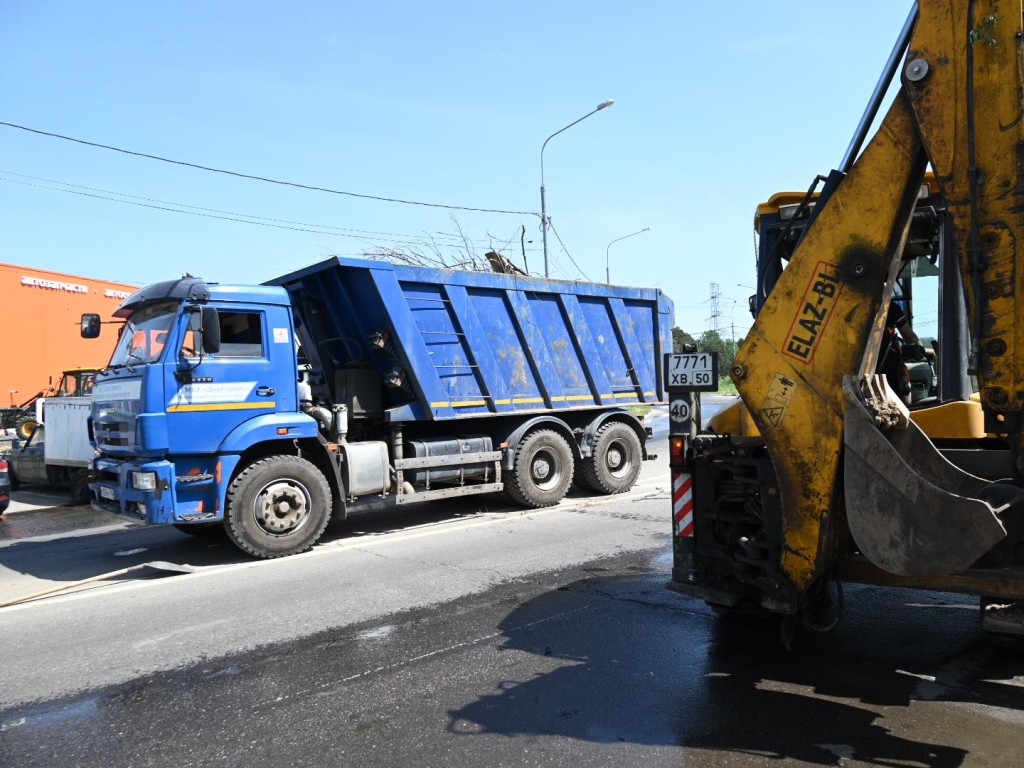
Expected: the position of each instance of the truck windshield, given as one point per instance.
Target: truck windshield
(144, 334)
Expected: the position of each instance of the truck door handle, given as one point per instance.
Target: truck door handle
(265, 391)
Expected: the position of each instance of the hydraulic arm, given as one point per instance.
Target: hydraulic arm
(850, 473)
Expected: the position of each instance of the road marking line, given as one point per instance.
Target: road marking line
(100, 529)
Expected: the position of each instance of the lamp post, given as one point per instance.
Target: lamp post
(543, 204)
(607, 271)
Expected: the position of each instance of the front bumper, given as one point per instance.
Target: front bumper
(113, 491)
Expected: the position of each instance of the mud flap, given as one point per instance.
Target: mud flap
(911, 511)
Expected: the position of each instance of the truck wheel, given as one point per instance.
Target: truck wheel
(79, 490)
(278, 506)
(541, 471)
(614, 465)
(25, 427)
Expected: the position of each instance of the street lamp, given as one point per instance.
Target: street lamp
(607, 272)
(543, 204)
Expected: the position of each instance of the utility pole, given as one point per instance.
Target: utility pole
(543, 203)
(716, 313)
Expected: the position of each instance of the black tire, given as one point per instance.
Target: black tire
(578, 478)
(541, 471)
(25, 427)
(201, 530)
(255, 519)
(615, 464)
(79, 489)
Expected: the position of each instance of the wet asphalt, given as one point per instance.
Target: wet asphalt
(597, 665)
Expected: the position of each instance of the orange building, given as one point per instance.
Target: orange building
(40, 313)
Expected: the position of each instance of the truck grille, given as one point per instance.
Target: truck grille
(112, 432)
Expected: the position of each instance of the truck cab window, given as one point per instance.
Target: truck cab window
(144, 334)
(241, 335)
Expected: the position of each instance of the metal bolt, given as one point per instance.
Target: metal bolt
(997, 396)
(996, 347)
(916, 70)
(859, 269)
(738, 371)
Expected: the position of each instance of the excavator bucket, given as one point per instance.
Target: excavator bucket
(911, 511)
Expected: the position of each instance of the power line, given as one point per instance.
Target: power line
(213, 216)
(566, 252)
(262, 178)
(303, 226)
(179, 210)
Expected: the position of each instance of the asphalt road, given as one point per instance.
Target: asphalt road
(468, 636)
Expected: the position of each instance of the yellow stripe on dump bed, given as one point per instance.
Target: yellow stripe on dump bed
(534, 400)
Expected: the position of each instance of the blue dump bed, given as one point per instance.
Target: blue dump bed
(450, 344)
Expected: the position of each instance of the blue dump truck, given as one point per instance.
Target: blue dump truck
(353, 385)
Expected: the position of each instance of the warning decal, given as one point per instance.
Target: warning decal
(776, 402)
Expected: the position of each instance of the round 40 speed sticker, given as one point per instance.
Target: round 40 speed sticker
(679, 411)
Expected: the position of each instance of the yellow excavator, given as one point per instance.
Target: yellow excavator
(822, 474)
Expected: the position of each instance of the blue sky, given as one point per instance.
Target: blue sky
(717, 106)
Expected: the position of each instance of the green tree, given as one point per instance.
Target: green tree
(680, 337)
(712, 341)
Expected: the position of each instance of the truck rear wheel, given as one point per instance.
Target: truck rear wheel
(541, 471)
(278, 506)
(614, 465)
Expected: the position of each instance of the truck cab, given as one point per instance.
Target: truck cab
(209, 369)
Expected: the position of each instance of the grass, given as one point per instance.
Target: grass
(726, 387)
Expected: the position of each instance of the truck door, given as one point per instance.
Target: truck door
(209, 394)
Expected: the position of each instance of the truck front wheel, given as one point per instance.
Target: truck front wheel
(79, 487)
(278, 506)
(541, 471)
(614, 465)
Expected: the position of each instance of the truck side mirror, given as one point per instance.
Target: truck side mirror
(211, 330)
(90, 325)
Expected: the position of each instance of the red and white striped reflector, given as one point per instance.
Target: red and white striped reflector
(682, 503)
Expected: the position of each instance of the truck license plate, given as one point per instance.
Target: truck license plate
(106, 492)
(692, 371)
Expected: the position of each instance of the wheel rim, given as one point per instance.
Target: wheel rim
(617, 459)
(282, 507)
(545, 469)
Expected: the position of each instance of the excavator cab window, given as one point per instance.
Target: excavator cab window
(783, 220)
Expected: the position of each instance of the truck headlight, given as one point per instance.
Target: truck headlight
(144, 481)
